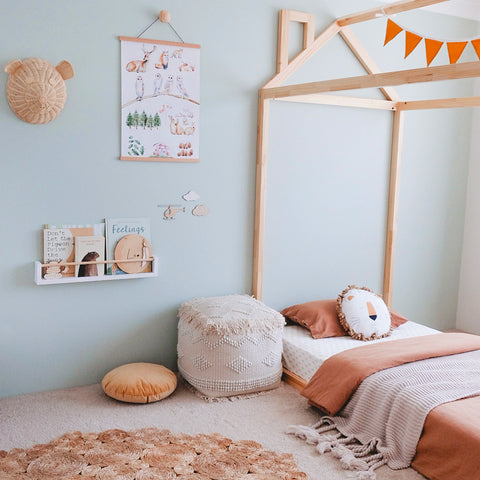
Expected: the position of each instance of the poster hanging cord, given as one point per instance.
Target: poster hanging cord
(143, 31)
(165, 17)
(181, 39)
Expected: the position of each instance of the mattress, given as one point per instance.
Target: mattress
(303, 355)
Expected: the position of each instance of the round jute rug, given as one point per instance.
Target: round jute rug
(147, 454)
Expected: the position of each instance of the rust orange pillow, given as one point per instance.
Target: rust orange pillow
(320, 318)
(397, 319)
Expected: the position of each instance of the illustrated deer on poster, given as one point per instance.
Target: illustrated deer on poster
(140, 65)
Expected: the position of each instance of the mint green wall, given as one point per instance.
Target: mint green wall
(68, 171)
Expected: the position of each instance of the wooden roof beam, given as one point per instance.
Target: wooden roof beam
(366, 60)
(391, 9)
(343, 101)
(418, 75)
(457, 102)
(304, 55)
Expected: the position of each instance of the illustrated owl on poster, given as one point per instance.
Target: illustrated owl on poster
(181, 87)
(157, 84)
(169, 84)
(139, 87)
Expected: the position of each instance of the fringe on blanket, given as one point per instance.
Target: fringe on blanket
(361, 459)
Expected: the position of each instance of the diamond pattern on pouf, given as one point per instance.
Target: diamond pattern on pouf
(253, 339)
(271, 359)
(213, 344)
(235, 342)
(202, 363)
(270, 336)
(239, 364)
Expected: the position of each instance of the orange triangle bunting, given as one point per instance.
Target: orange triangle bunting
(392, 31)
(432, 47)
(476, 46)
(411, 42)
(455, 49)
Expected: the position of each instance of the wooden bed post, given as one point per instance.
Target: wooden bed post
(392, 218)
(260, 193)
(284, 19)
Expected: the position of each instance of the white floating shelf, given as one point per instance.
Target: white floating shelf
(39, 280)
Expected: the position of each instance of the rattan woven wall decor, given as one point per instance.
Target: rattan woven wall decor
(36, 90)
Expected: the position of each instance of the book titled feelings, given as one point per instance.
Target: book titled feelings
(118, 228)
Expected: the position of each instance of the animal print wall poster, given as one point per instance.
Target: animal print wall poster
(160, 100)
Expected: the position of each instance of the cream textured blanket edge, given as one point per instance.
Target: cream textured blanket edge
(383, 421)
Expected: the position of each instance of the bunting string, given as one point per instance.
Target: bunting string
(432, 46)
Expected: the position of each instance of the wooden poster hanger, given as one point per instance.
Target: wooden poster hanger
(317, 93)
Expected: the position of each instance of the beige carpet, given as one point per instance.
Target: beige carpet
(31, 419)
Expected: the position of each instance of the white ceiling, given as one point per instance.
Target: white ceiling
(458, 8)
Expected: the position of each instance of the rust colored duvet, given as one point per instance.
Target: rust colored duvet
(449, 448)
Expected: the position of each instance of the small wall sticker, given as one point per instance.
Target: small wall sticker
(191, 195)
(171, 212)
(200, 211)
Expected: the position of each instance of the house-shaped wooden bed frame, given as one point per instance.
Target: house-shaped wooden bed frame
(318, 92)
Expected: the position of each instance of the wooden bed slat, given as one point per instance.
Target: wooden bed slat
(440, 103)
(294, 380)
(342, 101)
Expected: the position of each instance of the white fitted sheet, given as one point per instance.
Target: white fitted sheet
(303, 354)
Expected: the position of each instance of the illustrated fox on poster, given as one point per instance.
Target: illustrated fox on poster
(163, 60)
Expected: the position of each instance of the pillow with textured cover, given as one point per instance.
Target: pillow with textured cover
(139, 382)
(363, 314)
(320, 318)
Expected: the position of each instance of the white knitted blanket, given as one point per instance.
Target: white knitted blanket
(383, 420)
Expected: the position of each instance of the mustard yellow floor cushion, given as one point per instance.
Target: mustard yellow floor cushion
(139, 382)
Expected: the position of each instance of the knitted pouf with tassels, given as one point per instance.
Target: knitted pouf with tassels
(230, 345)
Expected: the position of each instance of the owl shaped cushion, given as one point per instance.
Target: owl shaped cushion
(363, 314)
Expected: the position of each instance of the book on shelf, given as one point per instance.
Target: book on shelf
(59, 243)
(98, 228)
(90, 248)
(128, 239)
(59, 246)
